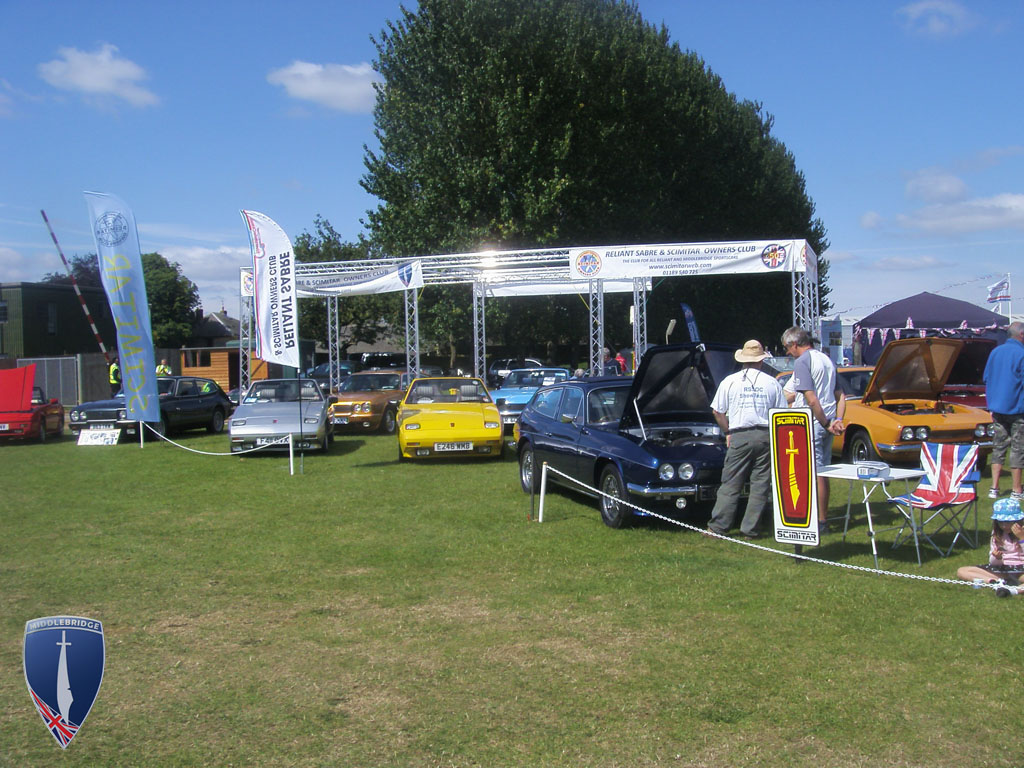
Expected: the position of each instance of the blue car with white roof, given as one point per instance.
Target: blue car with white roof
(517, 389)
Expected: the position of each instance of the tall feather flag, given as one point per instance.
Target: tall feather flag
(999, 291)
(277, 312)
(120, 260)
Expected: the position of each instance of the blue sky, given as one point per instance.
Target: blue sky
(905, 118)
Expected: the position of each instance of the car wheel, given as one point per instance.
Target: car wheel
(325, 444)
(161, 428)
(614, 513)
(860, 448)
(217, 422)
(42, 431)
(529, 476)
(387, 422)
(401, 456)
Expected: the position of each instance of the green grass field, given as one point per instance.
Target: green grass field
(370, 613)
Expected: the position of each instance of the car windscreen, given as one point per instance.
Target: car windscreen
(534, 378)
(371, 382)
(276, 391)
(853, 383)
(452, 390)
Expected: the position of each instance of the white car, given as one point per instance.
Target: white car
(272, 409)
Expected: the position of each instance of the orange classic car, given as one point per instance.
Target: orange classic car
(368, 401)
(904, 405)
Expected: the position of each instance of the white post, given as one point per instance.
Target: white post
(543, 489)
(142, 434)
(291, 454)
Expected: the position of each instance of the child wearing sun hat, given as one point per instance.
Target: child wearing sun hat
(1006, 553)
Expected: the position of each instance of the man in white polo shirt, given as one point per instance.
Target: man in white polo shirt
(741, 407)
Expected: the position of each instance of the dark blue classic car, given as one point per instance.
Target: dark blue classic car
(651, 440)
(186, 402)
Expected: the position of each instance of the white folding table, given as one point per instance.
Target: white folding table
(868, 486)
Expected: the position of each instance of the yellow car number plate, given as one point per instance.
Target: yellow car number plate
(453, 447)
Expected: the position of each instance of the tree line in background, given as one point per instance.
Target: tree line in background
(173, 298)
(553, 123)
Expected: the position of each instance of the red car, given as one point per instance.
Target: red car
(24, 409)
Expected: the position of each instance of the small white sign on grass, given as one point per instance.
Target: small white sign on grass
(99, 436)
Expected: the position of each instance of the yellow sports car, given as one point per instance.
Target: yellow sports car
(904, 405)
(448, 416)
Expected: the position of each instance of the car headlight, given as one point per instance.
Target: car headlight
(921, 433)
(311, 420)
(122, 415)
(907, 433)
(666, 472)
(74, 415)
(990, 430)
(238, 422)
(686, 471)
(491, 425)
(412, 425)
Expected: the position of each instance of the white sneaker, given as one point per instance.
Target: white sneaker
(1016, 496)
(1005, 590)
(993, 493)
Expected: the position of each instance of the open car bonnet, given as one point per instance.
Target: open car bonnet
(913, 368)
(677, 382)
(16, 388)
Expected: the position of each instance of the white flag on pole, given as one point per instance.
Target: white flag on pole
(999, 291)
(277, 312)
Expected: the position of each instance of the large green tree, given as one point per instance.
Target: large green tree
(173, 298)
(546, 123)
(360, 318)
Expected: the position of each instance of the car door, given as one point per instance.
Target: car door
(185, 408)
(566, 432)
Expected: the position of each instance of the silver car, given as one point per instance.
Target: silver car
(272, 409)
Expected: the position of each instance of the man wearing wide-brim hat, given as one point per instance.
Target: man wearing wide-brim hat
(741, 407)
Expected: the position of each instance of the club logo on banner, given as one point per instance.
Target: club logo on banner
(794, 490)
(120, 262)
(63, 659)
(274, 299)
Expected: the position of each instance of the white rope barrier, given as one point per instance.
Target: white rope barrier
(711, 534)
(279, 441)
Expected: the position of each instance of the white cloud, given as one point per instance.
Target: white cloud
(213, 270)
(337, 86)
(935, 185)
(871, 220)
(98, 74)
(939, 19)
(1004, 211)
(910, 263)
(836, 256)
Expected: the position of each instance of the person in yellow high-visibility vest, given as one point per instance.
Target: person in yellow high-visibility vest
(114, 374)
(163, 369)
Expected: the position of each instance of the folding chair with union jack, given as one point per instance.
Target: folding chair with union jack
(946, 493)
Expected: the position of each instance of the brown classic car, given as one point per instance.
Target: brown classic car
(368, 401)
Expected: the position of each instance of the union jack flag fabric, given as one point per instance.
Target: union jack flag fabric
(946, 469)
(62, 730)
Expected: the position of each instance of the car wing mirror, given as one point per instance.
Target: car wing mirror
(565, 418)
(499, 402)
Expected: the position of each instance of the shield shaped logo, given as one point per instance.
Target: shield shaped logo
(405, 274)
(63, 661)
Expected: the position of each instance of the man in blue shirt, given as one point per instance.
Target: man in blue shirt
(1004, 391)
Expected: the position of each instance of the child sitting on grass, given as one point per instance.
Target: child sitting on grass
(1006, 553)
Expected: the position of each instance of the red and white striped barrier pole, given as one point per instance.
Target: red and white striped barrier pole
(78, 291)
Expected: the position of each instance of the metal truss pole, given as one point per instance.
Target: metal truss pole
(333, 344)
(479, 330)
(244, 343)
(639, 319)
(596, 327)
(412, 331)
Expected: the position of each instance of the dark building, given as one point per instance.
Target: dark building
(46, 320)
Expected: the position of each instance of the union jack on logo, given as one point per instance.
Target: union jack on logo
(773, 256)
(62, 730)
